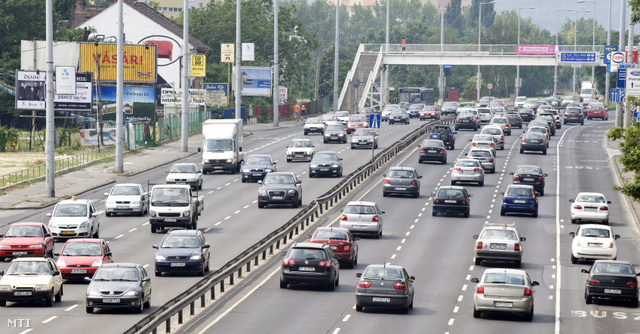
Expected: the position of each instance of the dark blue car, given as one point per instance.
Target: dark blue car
(519, 198)
(325, 163)
(182, 251)
(256, 166)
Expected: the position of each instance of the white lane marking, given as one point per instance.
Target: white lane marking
(145, 223)
(209, 193)
(399, 248)
(451, 321)
(455, 309)
(49, 319)
(118, 237)
(237, 212)
(71, 307)
(407, 234)
(403, 241)
(226, 184)
(464, 287)
(246, 206)
(346, 317)
(218, 223)
(145, 266)
(227, 217)
(393, 257)
(206, 229)
(416, 220)
(133, 229)
(336, 331)
(460, 297)
(27, 331)
(411, 227)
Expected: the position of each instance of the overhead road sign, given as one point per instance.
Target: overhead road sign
(577, 57)
(617, 95)
(608, 51)
(621, 78)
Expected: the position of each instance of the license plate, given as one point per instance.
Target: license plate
(122, 207)
(170, 220)
(78, 271)
(519, 201)
(381, 300)
(177, 264)
(19, 253)
(503, 304)
(257, 174)
(276, 197)
(432, 151)
(465, 120)
(306, 269)
(217, 167)
(498, 246)
(324, 169)
(68, 233)
(613, 291)
(359, 226)
(590, 209)
(528, 179)
(401, 188)
(594, 244)
(111, 300)
(22, 293)
(334, 247)
(450, 201)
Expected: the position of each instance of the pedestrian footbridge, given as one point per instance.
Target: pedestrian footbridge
(370, 64)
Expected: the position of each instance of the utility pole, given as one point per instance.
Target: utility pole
(623, 4)
(50, 117)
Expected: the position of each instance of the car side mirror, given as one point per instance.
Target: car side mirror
(298, 181)
(573, 234)
(287, 146)
(94, 215)
(470, 140)
(46, 235)
(381, 211)
(571, 200)
(206, 246)
(273, 163)
(476, 236)
(608, 202)
(512, 173)
(283, 253)
(358, 274)
(523, 239)
(419, 176)
(470, 195)
(56, 254)
(259, 181)
(584, 271)
(154, 246)
(616, 237)
(535, 283)
(56, 272)
(412, 278)
(502, 193)
(108, 254)
(475, 280)
(87, 279)
(433, 193)
(146, 279)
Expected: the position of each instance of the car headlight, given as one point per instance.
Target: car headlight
(84, 225)
(341, 135)
(205, 161)
(93, 293)
(229, 161)
(131, 293)
(268, 170)
(136, 201)
(262, 192)
(4, 246)
(196, 257)
(313, 166)
(186, 213)
(291, 191)
(5, 287)
(152, 213)
(61, 263)
(53, 226)
(40, 287)
(160, 258)
(335, 165)
(246, 170)
(327, 135)
(96, 263)
(35, 246)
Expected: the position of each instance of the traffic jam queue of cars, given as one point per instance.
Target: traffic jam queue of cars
(34, 275)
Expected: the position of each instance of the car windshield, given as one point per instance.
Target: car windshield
(71, 210)
(537, 129)
(308, 254)
(125, 190)
(330, 234)
(359, 118)
(467, 163)
(500, 121)
(591, 199)
(499, 234)
(535, 134)
(29, 268)
(82, 249)
(612, 268)
(505, 278)
(325, 157)
(484, 111)
(449, 104)
(432, 143)
(416, 106)
(363, 132)
(301, 143)
(341, 114)
(278, 179)
(595, 233)
(253, 160)
(465, 114)
(403, 174)
(177, 195)
(520, 192)
(456, 193)
(213, 145)
(382, 273)
(180, 241)
(398, 113)
(335, 128)
(314, 121)
(188, 169)
(128, 274)
(360, 209)
(24, 231)
(573, 111)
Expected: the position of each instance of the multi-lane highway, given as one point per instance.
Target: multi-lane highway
(438, 251)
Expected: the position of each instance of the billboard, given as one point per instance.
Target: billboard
(216, 94)
(535, 49)
(256, 81)
(197, 66)
(81, 100)
(140, 61)
(173, 97)
(30, 90)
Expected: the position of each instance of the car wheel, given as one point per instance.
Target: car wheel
(58, 296)
(544, 152)
(2, 259)
(573, 221)
(331, 286)
(476, 313)
(379, 234)
(502, 212)
(564, 122)
(138, 309)
(300, 202)
(306, 133)
(384, 194)
(358, 308)
(147, 304)
(288, 160)
(244, 180)
(493, 171)
(542, 192)
(158, 273)
(200, 186)
(587, 298)
(633, 303)
(453, 183)
(49, 300)
(260, 205)
(574, 260)
(96, 235)
(340, 174)
(444, 161)
(353, 147)
(108, 214)
(466, 214)
(529, 316)
(416, 195)
(521, 151)
(588, 118)
(535, 213)
(337, 282)
(89, 309)
(481, 183)
(283, 285)
(478, 261)
(405, 310)
(517, 263)
(582, 123)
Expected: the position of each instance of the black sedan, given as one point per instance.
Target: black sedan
(280, 188)
(613, 280)
(432, 150)
(573, 115)
(527, 114)
(256, 166)
(335, 133)
(531, 175)
(451, 199)
(326, 163)
(385, 286)
(399, 116)
(533, 141)
(182, 251)
(467, 120)
(119, 285)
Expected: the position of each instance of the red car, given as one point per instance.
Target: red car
(357, 121)
(80, 258)
(342, 242)
(598, 112)
(429, 112)
(26, 239)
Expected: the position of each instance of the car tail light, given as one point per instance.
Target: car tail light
(464, 201)
(473, 120)
(594, 281)
(289, 262)
(540, 178)
(611, 245)
(577, 207)
(516, 247)
(414, 183)
(399, 286)
(527, 292)
(490, 159)
(480, 290)
(506, 125)
(516, 177)
(343, 218)
(325, 263)
(473, 144)
(502, 138)
(346, 247)
(477, 169)
(422, 149)
(457, 169)
(493, 144)
(386, 181)
(442, 150)
(579, 244)
(436, 201)
(374, 219)
(544, 141)
(524, 141)
(634, 284)
(604, 208)
(364, 284)
(479, 245)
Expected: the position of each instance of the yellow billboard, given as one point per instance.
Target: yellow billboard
(140, 62)
(198, 65)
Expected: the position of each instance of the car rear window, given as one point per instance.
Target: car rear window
(595, 233)
(498, 234)
(382, 273)
(360, 209)
(308, 253)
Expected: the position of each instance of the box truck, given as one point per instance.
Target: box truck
(588, 90)
(222, 145)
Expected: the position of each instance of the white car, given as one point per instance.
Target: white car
(590, 207)
(362, 218)
(74, 218)
(485, 115)
(593, 242)
(185, 173)
(314, 125)
(343, 117)
(496, 132)
(126, 198)
(498, 242)
(31, 279)
(465, 106)
(300, 150)
(519, 102)
(483, 141)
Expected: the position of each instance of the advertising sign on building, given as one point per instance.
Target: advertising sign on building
(65, 80)
(227, 53)
(81, 100)
(256, 81)
(248, 52)
(198, 65)
(633, 82)
(30, 90)
(139, 61)
(283, 92)
(216, 94)
(173, 97)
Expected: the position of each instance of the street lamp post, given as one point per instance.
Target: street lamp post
(518, 66)
(442, 50)
(555, 68)
(479, 33)
(575, 40)
(593, 38)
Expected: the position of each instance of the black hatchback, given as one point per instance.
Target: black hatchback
(432, 150)
(451, 199)
(531, 175)
(310, 263)
(573, 115)
(613, 280)
(527, 114)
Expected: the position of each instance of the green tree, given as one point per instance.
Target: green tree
(453, 16)
(630, 148)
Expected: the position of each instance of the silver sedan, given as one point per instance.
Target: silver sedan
(467, 170)
(504, 290)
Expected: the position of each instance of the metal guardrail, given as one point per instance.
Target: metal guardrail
(63, 164)
(251, 257)
(501, 49)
